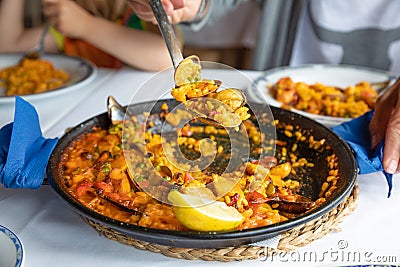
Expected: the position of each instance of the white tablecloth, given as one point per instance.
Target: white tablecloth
(54, 235)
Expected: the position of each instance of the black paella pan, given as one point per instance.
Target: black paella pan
(191, 239)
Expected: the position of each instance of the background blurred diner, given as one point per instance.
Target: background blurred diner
(105, 32)
(231, 40)
(293, 32)
(314, 31)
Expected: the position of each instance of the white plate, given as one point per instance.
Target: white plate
(81, 74)
(11, 249)
(333, 75)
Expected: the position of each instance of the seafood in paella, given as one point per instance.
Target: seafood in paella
(128, 173)
(204, 98)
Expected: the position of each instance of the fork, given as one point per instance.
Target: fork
(38, 51)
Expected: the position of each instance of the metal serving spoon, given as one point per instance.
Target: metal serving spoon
(117, 113)
(167, 32)
(186, 70)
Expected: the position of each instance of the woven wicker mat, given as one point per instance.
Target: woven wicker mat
(290, 240)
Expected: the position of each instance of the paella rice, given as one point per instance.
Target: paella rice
(226, 107)
(32, 76)
(321, 99)
(113, 181)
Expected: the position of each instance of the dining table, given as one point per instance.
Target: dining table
(53, 234)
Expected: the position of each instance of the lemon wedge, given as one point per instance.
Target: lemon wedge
(202, 214)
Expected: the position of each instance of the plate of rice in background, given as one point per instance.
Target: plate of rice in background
(41, 81)
(329, 94)
(45, 77)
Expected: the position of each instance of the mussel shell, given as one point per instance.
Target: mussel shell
(201, 111)
(232, 97)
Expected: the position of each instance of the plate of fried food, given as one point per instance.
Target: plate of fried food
(41, 80)
(330, 94)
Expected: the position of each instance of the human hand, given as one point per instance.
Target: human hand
(177, 10)
(385, 124)
(67, 16)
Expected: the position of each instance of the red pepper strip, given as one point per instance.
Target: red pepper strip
(234, 200)
(187, 178)
(105, 187)
(254, 198)
(83, 186)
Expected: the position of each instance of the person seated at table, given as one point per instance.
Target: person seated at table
(105, 32)
(358, 34)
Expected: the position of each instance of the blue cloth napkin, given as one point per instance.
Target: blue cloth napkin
(24, 152)
(356, 134)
